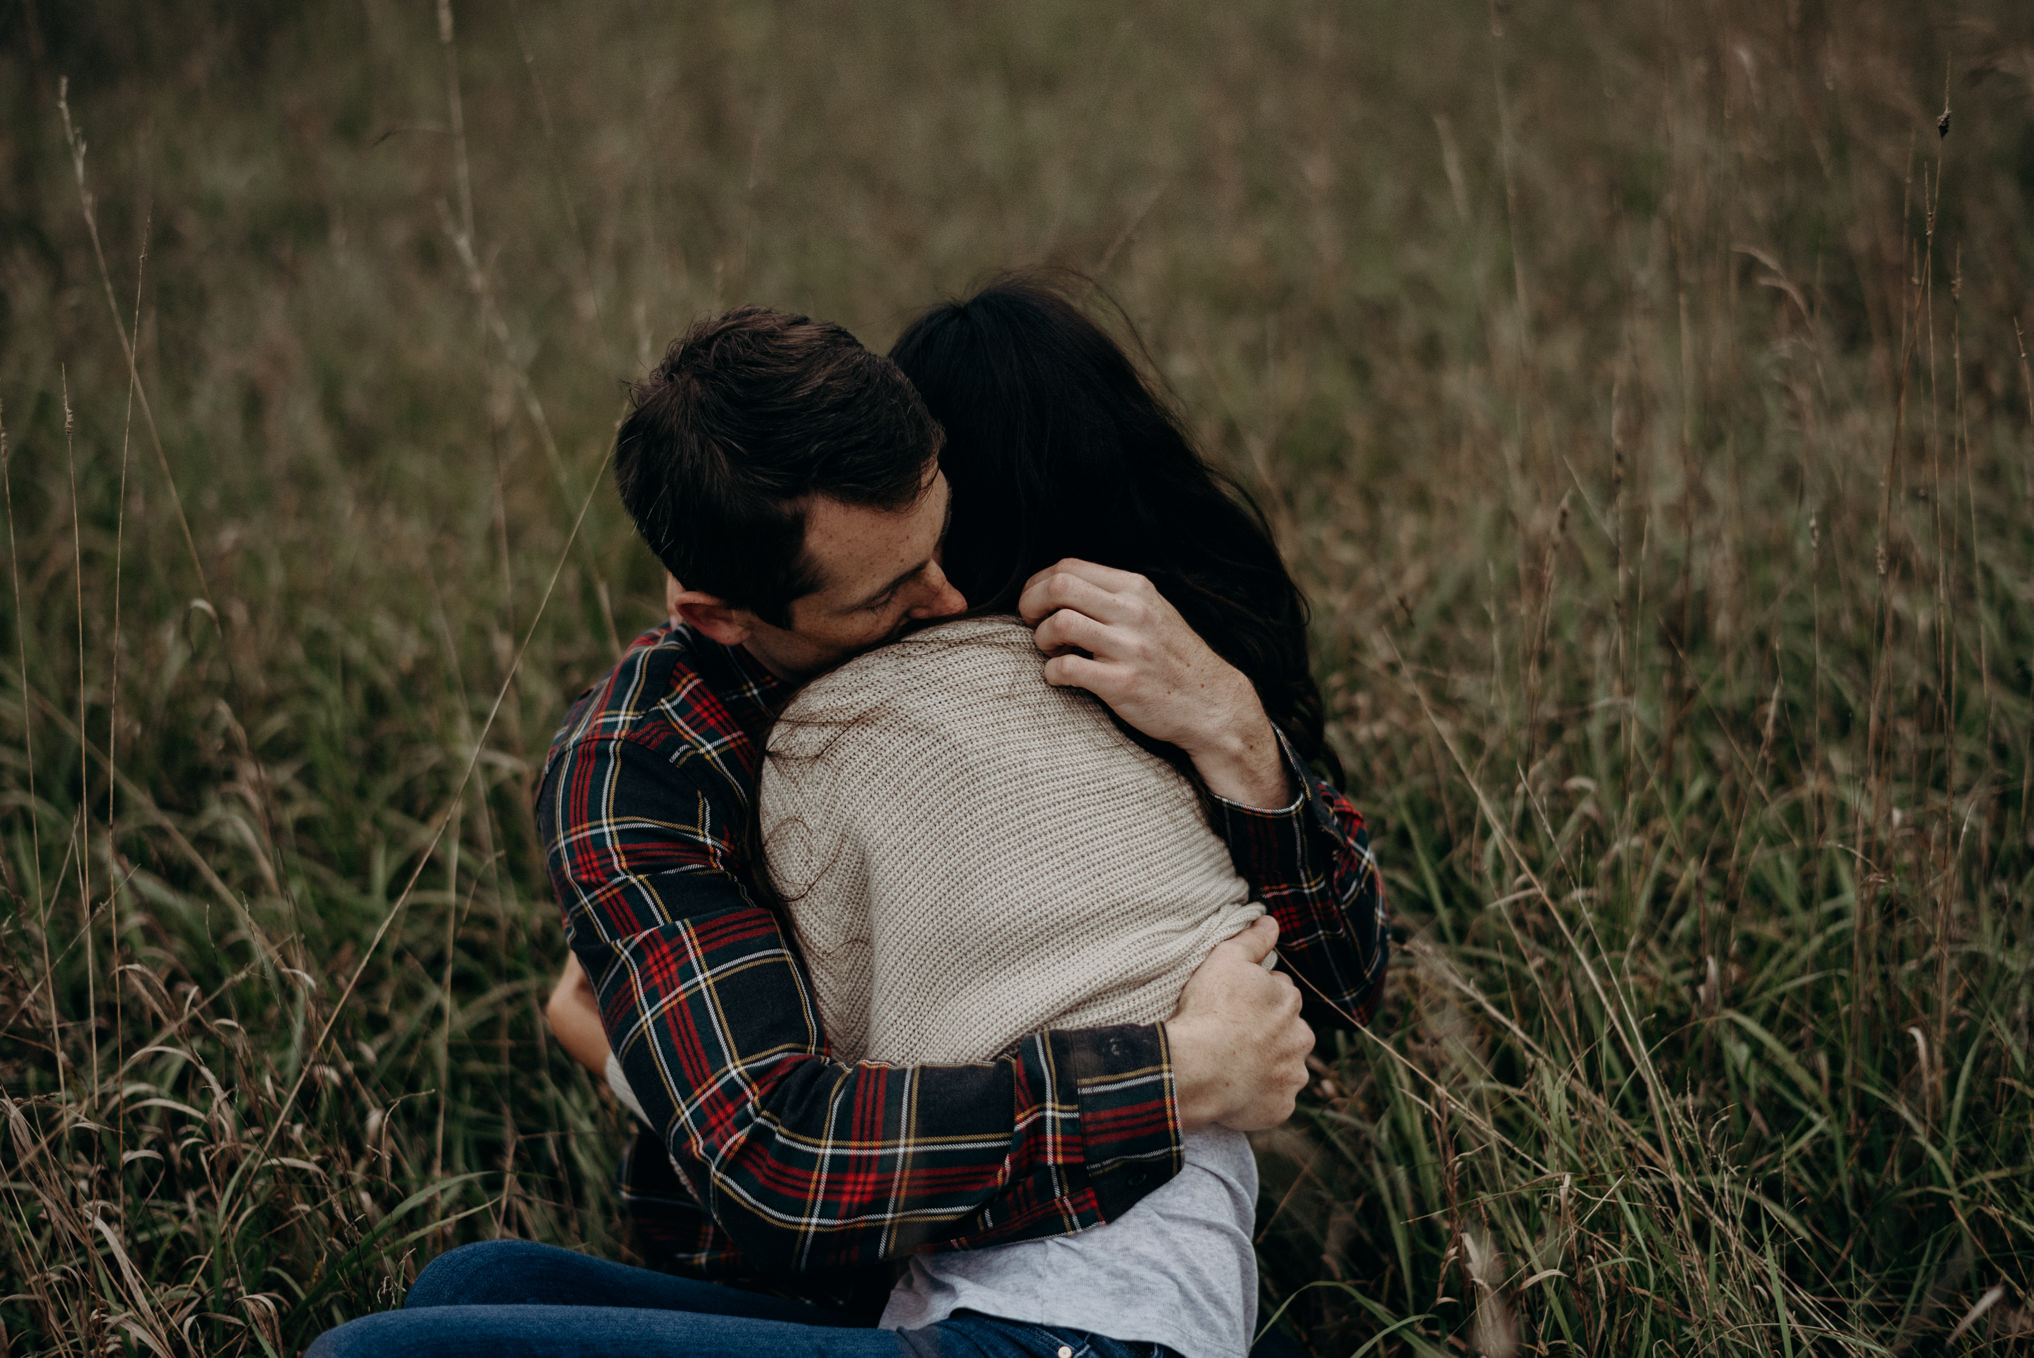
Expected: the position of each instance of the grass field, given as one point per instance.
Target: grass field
(1639, 390)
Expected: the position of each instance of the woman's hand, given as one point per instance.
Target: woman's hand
(574, 1015)
(1156, 673)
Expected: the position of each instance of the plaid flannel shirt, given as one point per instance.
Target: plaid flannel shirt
(778, 1160)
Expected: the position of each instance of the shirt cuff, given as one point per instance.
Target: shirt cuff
(1269, 846)
(1129, 1110)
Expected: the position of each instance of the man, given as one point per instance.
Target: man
(791, 480)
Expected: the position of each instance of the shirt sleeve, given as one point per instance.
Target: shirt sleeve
(807, 1162)
(1311, 865)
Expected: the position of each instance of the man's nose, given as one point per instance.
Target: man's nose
(941, 600)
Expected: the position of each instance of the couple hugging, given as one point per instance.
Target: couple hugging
(922, 876)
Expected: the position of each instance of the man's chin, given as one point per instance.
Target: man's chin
(914, 626)
(901, 630)
(812, 668)
(833, 660)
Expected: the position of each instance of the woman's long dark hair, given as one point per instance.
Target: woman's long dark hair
(1058, 446)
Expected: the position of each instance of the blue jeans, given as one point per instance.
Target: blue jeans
(514, 1299)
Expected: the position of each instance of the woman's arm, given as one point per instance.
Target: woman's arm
(574, 1016)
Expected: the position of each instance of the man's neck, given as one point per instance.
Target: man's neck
(790, 680)
(784, 686)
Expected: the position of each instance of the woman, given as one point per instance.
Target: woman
(969, 853)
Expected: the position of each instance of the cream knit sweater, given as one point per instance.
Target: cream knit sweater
(970, 855)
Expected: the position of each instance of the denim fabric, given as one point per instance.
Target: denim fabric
(512, 1299)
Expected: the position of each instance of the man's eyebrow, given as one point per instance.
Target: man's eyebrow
(945, 522)
(893, 586)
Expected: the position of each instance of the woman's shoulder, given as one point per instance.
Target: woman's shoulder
(926, 695)
(934, 666)
(923, 701)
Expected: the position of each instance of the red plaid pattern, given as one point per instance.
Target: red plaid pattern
(777, 1159)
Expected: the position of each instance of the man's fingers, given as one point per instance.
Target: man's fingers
(1259, 1041)
(1283, 1076)
(1102, 592)
(1257, 941)
(1077, 671)
(1108, 577)
(1302, 1037)
(1068, 630)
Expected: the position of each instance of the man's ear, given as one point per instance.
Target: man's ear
(710, 616)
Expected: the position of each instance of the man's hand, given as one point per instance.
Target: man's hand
(1112, 633)
(1239, 1046)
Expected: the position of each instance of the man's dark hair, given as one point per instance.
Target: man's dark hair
(750, 414)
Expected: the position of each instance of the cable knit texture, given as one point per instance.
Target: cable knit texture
(970, 855)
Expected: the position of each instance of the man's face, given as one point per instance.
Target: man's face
(878, 570)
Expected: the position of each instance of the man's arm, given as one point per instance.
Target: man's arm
(1298, 842)
(1311, 865)
(807, 1162)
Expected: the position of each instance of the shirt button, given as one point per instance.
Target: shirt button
(1065, 1352)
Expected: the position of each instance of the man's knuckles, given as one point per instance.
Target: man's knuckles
(1061, 586)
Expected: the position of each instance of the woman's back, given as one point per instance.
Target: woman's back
(970, 855)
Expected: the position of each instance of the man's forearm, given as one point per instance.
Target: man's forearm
(809, 1163)
(1310, 863)
(806, 1161)
(1245, 764)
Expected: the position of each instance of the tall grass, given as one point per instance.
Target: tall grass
(1640, 391)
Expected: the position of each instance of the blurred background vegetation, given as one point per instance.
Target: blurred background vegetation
(1639, 390)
